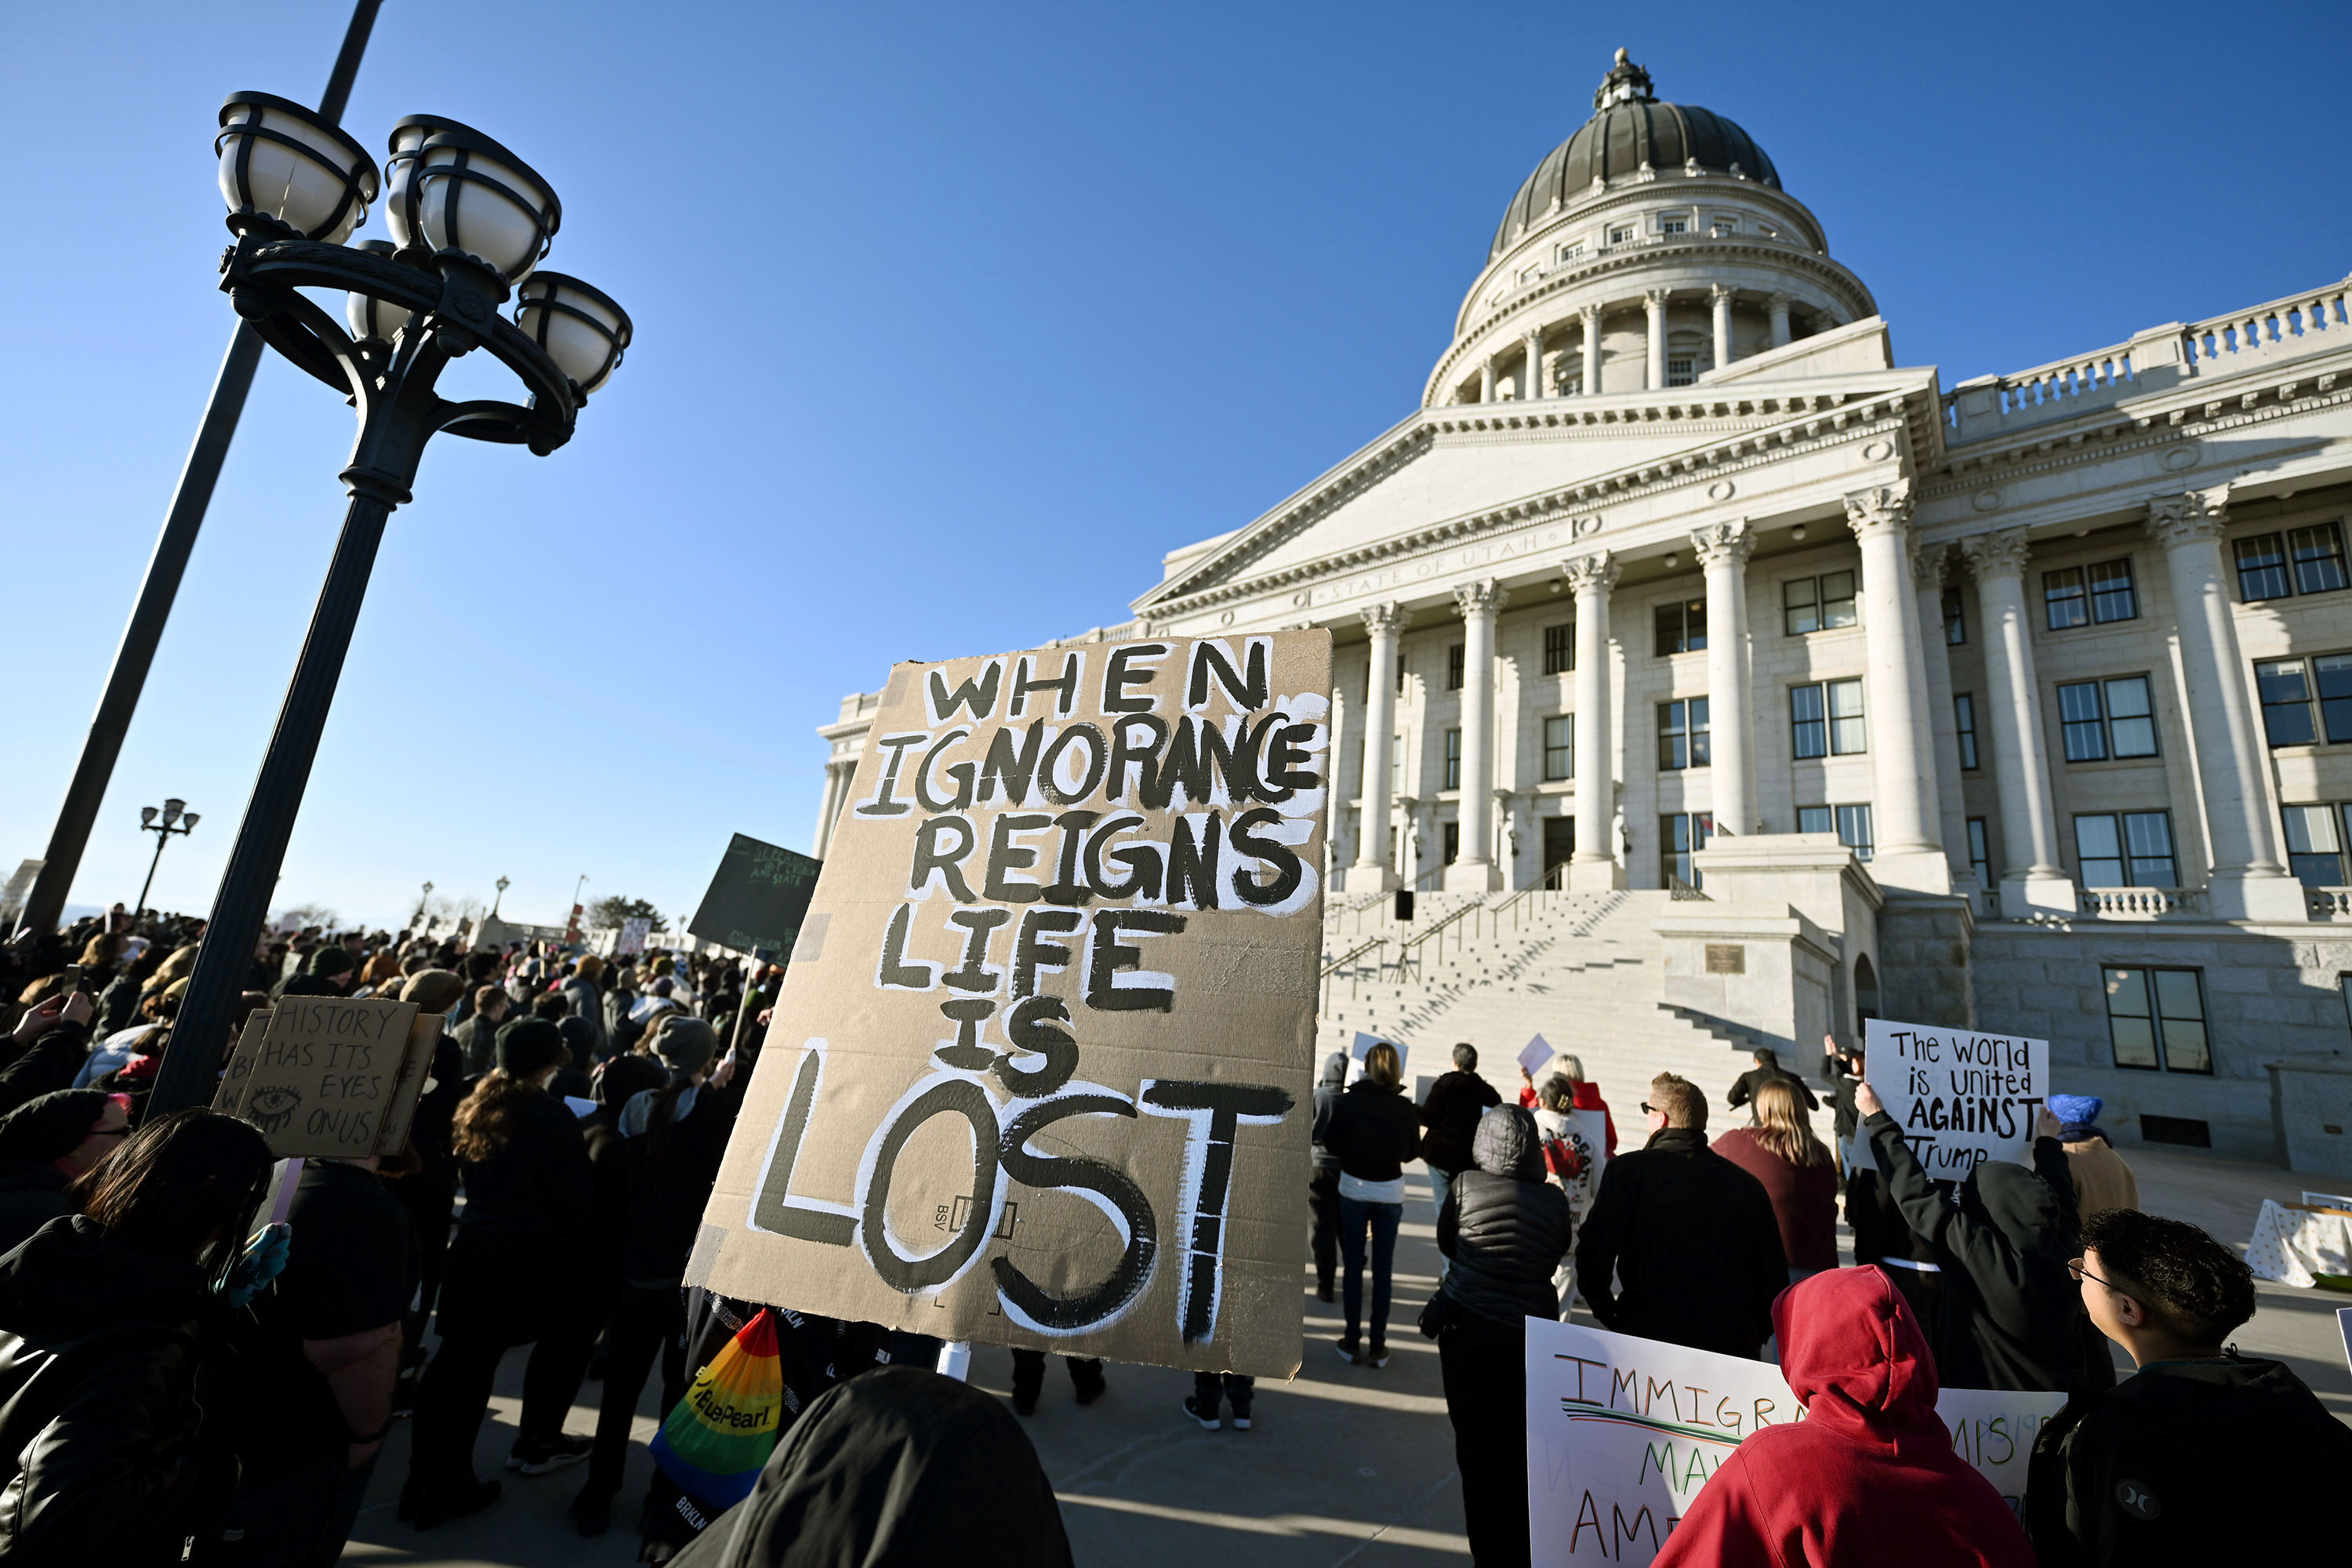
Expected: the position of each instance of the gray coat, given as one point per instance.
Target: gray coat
(1504, 1226)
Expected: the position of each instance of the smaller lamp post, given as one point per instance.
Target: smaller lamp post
(174, 812)
(502, 886)
(416, 921)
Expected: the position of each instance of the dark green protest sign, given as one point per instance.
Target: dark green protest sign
(757, 899)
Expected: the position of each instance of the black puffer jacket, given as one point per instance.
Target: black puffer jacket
(1504, 1226)
(1371, 1132)
(101, 1458)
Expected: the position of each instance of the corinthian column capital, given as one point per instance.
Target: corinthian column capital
(1882, 508)
(1482, 598)
(1721, 543)
(2002, 554)
(2192, 515)
(1593, 574)
(1929, 565)
(1390, 617)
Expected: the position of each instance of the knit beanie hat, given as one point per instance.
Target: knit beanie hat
(686, 1045)
(579, 1037)
(333, 959)
(528, 1047)
(432, 990)
(50, 1126)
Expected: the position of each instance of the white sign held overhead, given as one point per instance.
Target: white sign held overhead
(1960, 1096)
(1537, 1052)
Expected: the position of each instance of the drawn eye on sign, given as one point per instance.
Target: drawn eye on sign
(1072, 918)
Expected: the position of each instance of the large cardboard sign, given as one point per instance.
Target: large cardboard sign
(1960, 1096)
(1040, 1070)
(330, 1076)
(757, 898)
(1624, 1432)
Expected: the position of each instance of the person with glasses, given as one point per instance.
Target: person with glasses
(45, 1144)
(2010, 1315)
(1690, 1237)
(2173, 1463)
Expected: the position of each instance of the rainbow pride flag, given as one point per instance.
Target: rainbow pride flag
(721, 1433)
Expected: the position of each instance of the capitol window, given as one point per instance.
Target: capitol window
(1620, 234)
(2126, 849)
(2079, 596)
(2286, 689)
(1682, 626)
(1980, 858)
(1723, 225)
(1682, 734)
(2315, 553)
(2314, 842)
(1560, 648)
(1964, 718)
(1678, 834)
(1674, 223)
(1817, 603)
(2121, 724)
(1453, 759)
(1453, 659)
(1682, 372)
(2156, 1019)
(1572, 251)
(1956, 622)
(1558, 747)
(1850, 822)
(1826, 719)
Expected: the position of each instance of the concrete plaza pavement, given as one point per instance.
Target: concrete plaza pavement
(1343, 1465)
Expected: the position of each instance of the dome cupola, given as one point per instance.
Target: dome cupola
(1631, 133)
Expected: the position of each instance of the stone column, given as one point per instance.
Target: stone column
(1374, 866)
(1720, 298)
(1595, 866)
(1654, 304)
(2250, 880)
(1474, 870)
(1486, 382)
(1722, 549)
(1779, 304)
(1940, 736)
(1535, 387)
(2032, 878)
(837, 775)
(1904, 808)
(1591, 350)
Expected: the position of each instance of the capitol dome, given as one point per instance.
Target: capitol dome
(1630, 131)
(1651, 248)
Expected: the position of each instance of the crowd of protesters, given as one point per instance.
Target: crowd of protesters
(179, 1381)
(2020, 1276)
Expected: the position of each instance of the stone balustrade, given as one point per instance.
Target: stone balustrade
(2141, 903)
(2156, 360)
(2329, 903)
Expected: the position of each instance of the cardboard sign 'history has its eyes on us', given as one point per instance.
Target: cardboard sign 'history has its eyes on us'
(1037, 1068)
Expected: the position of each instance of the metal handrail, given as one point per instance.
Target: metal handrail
(1350, 956)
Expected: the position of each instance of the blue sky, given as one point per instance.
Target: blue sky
(951, 320)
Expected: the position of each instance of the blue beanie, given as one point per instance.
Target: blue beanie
(2076, 1110)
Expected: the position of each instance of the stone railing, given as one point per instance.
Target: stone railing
(2282, 326)
(2157, 359)
(2141, 903)
(2329, 903)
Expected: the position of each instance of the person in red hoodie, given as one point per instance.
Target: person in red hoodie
(1869, 1476)
(1588, 1093)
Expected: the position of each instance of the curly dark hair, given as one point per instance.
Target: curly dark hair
(2200, 1289)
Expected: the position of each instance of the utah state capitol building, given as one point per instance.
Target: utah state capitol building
(2024, 703)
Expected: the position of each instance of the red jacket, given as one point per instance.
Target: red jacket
(1588, 1097)
(1868, 1476)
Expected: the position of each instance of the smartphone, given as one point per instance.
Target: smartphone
(73, 979)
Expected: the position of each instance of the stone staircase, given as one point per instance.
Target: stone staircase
(1584, 970)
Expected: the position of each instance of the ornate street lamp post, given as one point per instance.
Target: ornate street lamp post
(470, 222)
(174, 811)
(502, 885)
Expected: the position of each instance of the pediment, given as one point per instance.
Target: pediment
(1451, 465)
